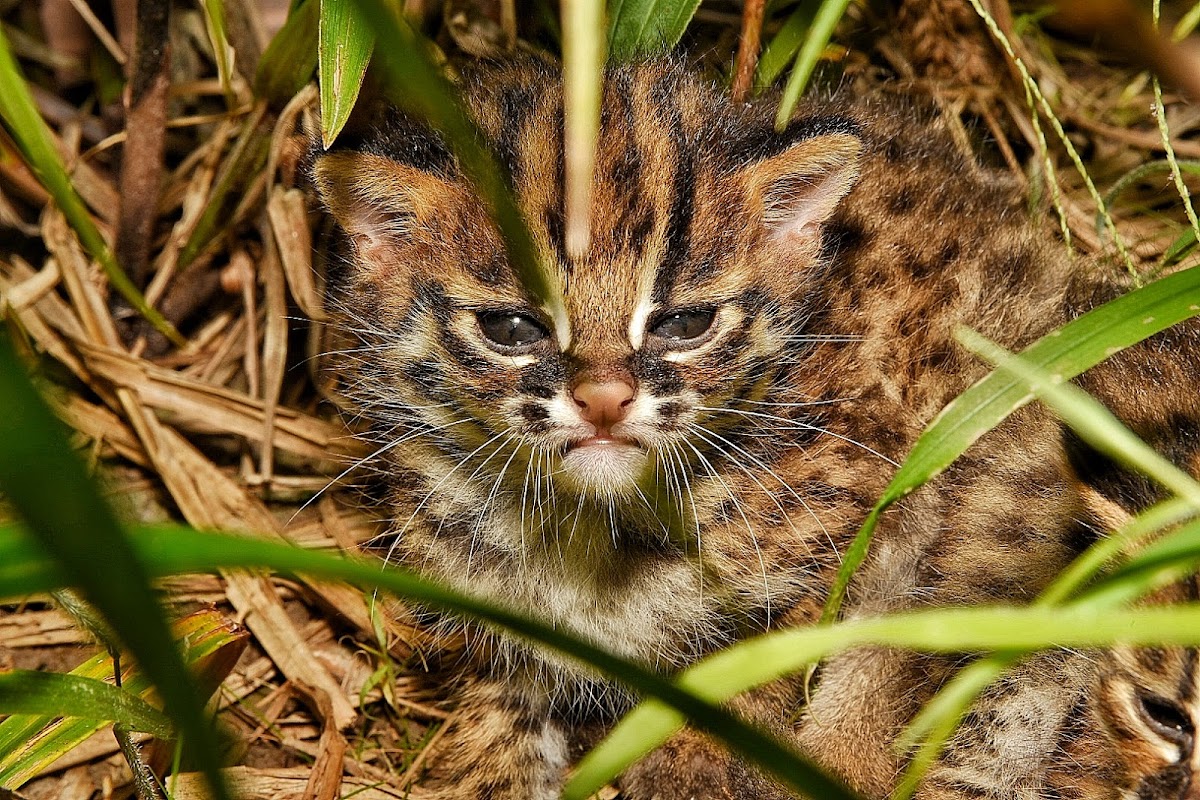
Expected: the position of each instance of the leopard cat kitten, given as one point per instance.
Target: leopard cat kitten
(759, 330)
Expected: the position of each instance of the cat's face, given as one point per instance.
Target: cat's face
(705, 239)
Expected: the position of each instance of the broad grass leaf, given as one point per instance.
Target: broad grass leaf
(1104, 432)
(31, 742)
(638, 28)
(289, 60)
(1094, 423)
(344, 47)
(954, 630)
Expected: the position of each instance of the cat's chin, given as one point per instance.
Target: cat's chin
(602, 467)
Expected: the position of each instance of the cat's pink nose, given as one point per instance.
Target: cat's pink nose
(604, 403)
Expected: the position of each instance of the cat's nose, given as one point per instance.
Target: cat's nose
(603, 403)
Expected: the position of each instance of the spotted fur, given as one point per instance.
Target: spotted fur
(837, 258)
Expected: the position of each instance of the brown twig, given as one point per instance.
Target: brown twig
(747, 53)
(145, 124)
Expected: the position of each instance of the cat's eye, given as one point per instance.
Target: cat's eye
(683, 326)
(1167, 719)
(511, 329)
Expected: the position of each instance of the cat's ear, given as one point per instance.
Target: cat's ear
(378, 201)
(796, 191)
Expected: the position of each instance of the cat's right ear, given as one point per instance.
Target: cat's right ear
(796, 191)
(380, 202)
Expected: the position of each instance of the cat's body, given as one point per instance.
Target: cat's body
(750, 344)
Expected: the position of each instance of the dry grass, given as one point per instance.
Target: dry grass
(237, 431)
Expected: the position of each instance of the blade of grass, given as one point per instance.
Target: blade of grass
(57, 695)
(344, 47)
(637, 28)
(1155, 566)
(583, 89)
(289, 60)
(20, 115)
(1094, 423)
(1186, 24)
(1032, 88)
(1160, 114)
(420, 87)
(819, 34)
(167, 550)
(1179, 249)
(1068, 351)
(952, 630)
(218, 36)
(784, 45)
(1104, 432)
(49, 489)
(30, 743)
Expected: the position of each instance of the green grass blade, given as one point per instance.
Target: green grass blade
(1179, 249)
(784, 45)
(50, 490)
(289, 60)
(420, 87)
(20, 115)
(1094, 423)
(1170, 559)
(638, 28)
(31, 743)
(57, 695)
(1104, 432)
(1090, 563)
(218, 36)
(168, 550)
(583, 88)
(344, 48)
(1068, 351)
(1186, 24)
(819, 34)
(1141, 172)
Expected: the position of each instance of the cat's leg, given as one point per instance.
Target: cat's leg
(502, 744)
(862, 701)
(1010, 740)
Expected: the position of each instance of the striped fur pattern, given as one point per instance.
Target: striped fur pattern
(769, 317)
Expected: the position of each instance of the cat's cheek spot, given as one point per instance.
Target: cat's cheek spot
(603, 469)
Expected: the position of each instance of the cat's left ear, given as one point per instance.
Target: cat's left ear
(796, 191)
